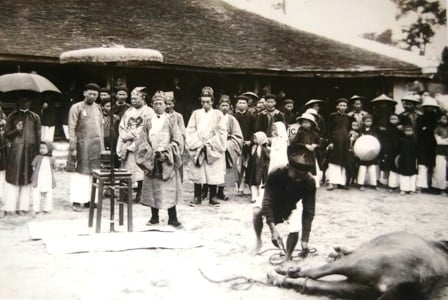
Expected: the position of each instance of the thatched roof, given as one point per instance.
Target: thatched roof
(195, 34)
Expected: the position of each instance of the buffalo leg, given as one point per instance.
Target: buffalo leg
(333, 268)
(343, 289)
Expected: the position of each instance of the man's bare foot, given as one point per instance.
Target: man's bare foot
(257, 247)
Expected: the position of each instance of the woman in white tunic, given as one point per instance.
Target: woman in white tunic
(206, 138)
(158, 152)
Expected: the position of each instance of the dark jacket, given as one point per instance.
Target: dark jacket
(247, 124)
(407, 160)
(24, 146)
(426, 142)
(264, 121)
(281, 195)
(338, 128)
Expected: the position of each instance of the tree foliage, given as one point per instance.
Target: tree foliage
(429, 14)
(384, 37)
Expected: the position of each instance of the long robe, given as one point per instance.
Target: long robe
(426, 142)
(206, 137)
(162, 187)
(338, 129)
(130, 125)
(85, 127)
(24, 146)
(234, 143)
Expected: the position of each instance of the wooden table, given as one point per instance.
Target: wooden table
(102, 181)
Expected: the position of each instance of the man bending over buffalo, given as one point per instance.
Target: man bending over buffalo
(284, 188)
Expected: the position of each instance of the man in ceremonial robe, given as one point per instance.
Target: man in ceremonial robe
(158, 151)
(206, 138)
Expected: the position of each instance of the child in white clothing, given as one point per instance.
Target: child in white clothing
(43, 179)
(279, 147)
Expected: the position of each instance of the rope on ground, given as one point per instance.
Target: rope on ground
(239, 283)
(279, 257)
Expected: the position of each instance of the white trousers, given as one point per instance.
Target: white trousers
(81, 188)
(422, 177)
(336, 174)
(65, 128)
(46, 205)
(47, 133)
(408, 183)
(17, 197)
(393, 180)
(439, 173)
(370, 171)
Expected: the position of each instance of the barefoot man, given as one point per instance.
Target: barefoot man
(284, 188)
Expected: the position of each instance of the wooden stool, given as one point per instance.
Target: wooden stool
(102, 181)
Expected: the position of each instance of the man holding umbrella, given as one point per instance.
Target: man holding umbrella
(22, 130)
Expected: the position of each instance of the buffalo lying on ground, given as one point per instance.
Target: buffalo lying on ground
(392, 266)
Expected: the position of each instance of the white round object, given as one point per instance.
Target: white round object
(367, 147)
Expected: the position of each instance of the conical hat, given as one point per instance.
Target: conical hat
(384, 97)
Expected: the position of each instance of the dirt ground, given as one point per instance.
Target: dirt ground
(342, 218)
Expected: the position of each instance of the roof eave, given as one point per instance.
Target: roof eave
(293, 72)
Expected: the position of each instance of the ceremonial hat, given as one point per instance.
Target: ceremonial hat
(224, 99)
(139, 90)
(207, 92)
(158, 96)
(92, 86)
(384, 97)
(313, 101)
(169, 95)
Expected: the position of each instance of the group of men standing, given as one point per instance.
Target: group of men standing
(149, 144)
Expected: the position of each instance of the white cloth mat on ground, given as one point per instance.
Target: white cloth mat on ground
(121, 241)
(57, 228)
(74, 236)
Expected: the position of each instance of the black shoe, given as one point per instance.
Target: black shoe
(174, 223)
(153, 221)
(76, 207)
(196, 201)
(222, 197)
(213, 202)
(87, 205)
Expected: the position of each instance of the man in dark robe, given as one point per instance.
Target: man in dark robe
(23, 131)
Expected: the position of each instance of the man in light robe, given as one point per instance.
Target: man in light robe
(130, 125)
(206, 138)
(159, 153)
(86, 137)
(234, 145)
(178, 118)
